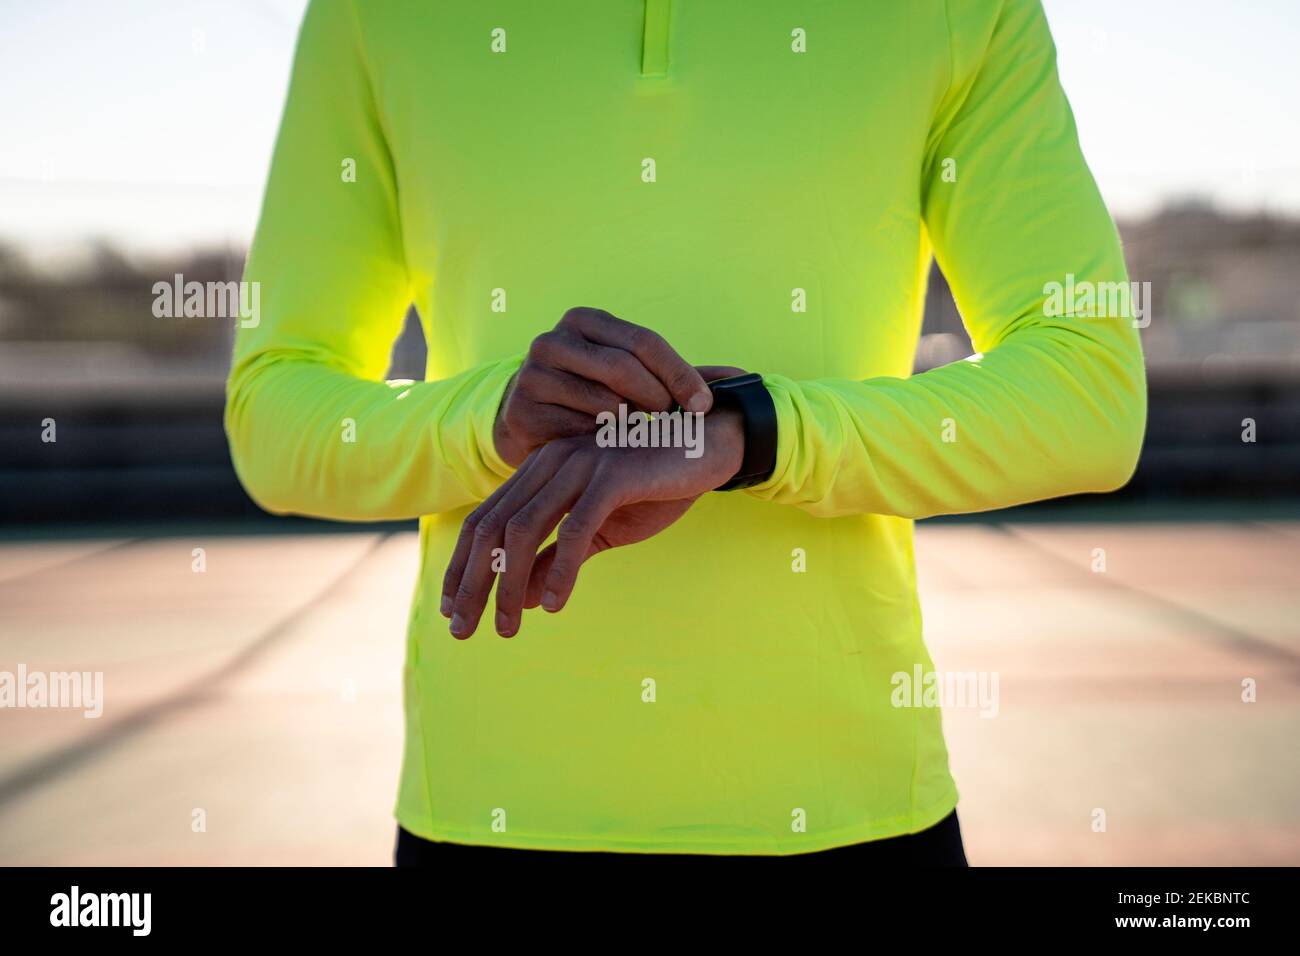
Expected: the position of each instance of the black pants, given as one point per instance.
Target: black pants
(940, 845)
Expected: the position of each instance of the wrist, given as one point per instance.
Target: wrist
(748, 398)
(724, 443)
(508, 446)
(511, 449)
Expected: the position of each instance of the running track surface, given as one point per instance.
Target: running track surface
(265, 692)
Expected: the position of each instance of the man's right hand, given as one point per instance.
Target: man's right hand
(591, 362)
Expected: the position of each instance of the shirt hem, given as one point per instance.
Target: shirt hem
(846, 836)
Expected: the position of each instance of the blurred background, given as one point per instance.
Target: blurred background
(265, 690)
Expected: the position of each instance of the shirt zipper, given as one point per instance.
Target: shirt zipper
(654, 41)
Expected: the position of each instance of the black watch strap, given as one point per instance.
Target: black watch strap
(748, 395)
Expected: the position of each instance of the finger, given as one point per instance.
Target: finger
(681, 379)
(584, 395)
(574, 541)
(541, 570)
(471, 592)
(537, 576)
(617, 369)
(465, 540)
(525, 532)
(538, 421)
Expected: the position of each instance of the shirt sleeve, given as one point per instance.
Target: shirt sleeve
(1054, 401)
(312, 427)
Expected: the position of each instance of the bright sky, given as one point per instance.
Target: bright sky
(150, 122)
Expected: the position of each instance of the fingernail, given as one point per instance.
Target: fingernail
(503, 625)
(458, 625)
(551, 601)
(446, 605)
(699, 402)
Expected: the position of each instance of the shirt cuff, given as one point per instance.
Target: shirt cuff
(787, 432)
(483, 418)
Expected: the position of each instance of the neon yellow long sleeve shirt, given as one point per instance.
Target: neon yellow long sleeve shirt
(765, 185)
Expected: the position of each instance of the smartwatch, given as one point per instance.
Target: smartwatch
(748, 395)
